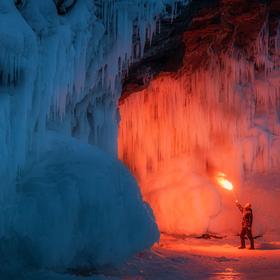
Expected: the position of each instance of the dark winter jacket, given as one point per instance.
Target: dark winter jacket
(247, 216)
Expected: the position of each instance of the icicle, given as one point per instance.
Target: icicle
(216, 111)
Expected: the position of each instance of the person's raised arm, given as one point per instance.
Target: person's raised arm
(239, 205)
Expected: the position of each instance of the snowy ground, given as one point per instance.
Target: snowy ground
(191, 258)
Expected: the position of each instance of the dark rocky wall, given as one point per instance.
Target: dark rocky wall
(203, 29)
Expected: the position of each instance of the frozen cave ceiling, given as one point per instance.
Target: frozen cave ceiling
(203, 29)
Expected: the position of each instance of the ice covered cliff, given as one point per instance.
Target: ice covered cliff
(63, 72)
(218, 111)
(64, 203)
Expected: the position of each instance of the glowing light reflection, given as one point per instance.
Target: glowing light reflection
(223, 181)
(228, 274)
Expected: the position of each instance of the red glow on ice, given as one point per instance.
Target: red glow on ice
(176, 134)
(166, 137)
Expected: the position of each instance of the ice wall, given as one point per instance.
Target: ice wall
(176, 134)
(75, 208)
(63, 73)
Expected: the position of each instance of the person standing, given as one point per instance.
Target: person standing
(247, 221)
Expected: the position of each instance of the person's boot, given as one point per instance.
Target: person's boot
(242, 240)
(252, 247)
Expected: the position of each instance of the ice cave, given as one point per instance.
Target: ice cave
(128, 132)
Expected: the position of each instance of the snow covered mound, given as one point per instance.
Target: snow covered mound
(78, 206)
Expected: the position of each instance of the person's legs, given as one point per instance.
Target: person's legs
(242, 238)
(250, 236)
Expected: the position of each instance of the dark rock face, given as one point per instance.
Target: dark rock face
(233, 26)
(204, 29)
(166, 52)
(63, 7)
(274, 15)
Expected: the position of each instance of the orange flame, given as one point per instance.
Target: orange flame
(223, 181)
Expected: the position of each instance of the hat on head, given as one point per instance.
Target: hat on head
(248, 205)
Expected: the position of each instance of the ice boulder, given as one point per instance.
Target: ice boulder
(77, 206)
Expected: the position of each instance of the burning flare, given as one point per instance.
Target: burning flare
(223, 181)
